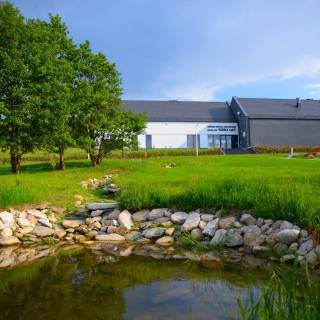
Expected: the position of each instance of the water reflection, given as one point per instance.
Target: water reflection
(105, 282)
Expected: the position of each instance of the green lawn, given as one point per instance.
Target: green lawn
(270, 184)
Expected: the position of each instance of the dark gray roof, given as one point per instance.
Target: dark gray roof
(179, 111)
(280, 108)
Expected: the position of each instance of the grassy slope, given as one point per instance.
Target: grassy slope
(268, 183)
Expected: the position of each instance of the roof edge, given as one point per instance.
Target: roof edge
(240, 106)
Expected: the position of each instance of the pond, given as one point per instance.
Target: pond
(103, 282)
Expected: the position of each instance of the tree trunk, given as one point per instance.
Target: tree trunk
(93, 159)
(15, 160)
(61, 159)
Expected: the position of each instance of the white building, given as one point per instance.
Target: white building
(186, 124)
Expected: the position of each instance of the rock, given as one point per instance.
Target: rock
(202, 224)
(211, 227)
(280, 248)
(170, 231)
(23, 222)
(101, 206)
(32, 219)
(219, 237)
(153, 232)
(196, 234)
(247, 219)
(288, 258)
(60, 233)
(237, 224)
(110, 237)
(70, 230)
(6, 232)
(303, 233)
(286, 225)
(156, 213)
(96, 213)
(293, 247)
(26, 230)
(312, 258)
(191, 222)
(36, 213)
(260, 249)
(250, 238)
(113, 215)
(9, 241)
(226, 222)
(41, 231)
(126, 252)
(79, 238)
(260, 222)
(7, 218)
(45, 222)
(251, 229)
(162, 220)
(133, 236)
(165, 240)
(207, 217)
(179, 217)
(125, 220)
(72, 223)
(305, 247)
(91, 234)
(233, 239)
(141, 215)
(287, 236)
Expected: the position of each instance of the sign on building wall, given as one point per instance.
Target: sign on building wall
(223, 129)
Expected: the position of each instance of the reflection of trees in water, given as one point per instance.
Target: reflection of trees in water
(82, 286)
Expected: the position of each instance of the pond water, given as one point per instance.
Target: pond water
(99, 283)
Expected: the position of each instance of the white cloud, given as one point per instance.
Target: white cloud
(308, 66)
(315, 92)
(197, 91)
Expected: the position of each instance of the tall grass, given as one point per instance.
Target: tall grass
(269, 200)
(293, 297)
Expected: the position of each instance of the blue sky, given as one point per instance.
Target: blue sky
(200, 49)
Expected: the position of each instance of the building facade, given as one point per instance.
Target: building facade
(241, 123)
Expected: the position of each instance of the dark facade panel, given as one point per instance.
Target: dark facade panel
(243, 123)
(284, 132)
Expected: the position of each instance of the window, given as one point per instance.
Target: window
(191, 141)
(148, 141)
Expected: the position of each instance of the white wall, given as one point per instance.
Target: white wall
(174, 134)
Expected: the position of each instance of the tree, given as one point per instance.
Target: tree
(98, 97)
(53, 76)
(17, 132)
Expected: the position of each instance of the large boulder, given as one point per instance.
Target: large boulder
(179, 217)
(211, 227)
(41, 231)
(233, 238)
(125, 219)
(153, 232)
(207, 217)
(247, 219)
(112, 237)
(101, 206)
(287, 236)
(219, 238)
(191, 222)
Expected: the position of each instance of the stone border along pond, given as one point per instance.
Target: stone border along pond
(279, 241)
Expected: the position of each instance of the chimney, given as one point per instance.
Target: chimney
(298, 102)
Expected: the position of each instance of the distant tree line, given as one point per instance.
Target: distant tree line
(55, 94)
